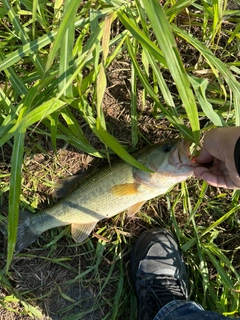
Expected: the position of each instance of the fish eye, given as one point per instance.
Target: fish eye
(166, 147)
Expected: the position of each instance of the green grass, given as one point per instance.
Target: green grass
(54, 64)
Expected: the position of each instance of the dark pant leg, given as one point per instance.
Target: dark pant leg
(187, 310)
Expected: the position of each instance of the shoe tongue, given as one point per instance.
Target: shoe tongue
(157, 262)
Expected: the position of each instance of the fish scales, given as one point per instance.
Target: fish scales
(93, 200)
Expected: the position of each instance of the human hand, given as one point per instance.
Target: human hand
(218, 148)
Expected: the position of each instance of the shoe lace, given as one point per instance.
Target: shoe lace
(158, 291)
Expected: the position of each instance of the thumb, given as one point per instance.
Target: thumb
(204, 156)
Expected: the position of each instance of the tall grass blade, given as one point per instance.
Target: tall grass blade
(66, 53)
(220, 220)
(36, 115)
(16, 81)
(216, 251)
(169, 114)
(54, 128)
(173, 11)
(161, 82)
(118, 294)
(134, 120)
(63, 28)
(17, 55)
(38, 16)
(224, 276)
(168, 46)
(6, 103)
(14, 193)
(101, 78)
(130, 25)
(22, 35)
(216, 64)
(72, 123)
(200, 86)
(113, 143)
(217, 6)
(15, 178)
(34, 18)
(58, 8)
(237, 109)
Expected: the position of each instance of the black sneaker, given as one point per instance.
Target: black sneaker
(158, 271)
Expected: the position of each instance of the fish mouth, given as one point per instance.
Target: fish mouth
(180, 157)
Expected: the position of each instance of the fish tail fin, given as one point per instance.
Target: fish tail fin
(25, 232)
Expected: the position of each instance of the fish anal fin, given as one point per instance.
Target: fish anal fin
(135, 208)
(125, 189)
(81, 231)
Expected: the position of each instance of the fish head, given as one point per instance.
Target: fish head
(170, 163)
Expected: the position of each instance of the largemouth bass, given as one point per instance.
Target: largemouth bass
(111, 190)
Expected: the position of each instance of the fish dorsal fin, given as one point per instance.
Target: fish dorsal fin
(63, 186)
(135, 208)
(81, 231)
(125, 189)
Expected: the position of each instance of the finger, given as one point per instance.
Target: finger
(204, 156)
(212, 179)
(199, 171)
(236, 180)
(220, 180)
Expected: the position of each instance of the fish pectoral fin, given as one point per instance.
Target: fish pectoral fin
(81, 231)
(135, 208)
(125, 189)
